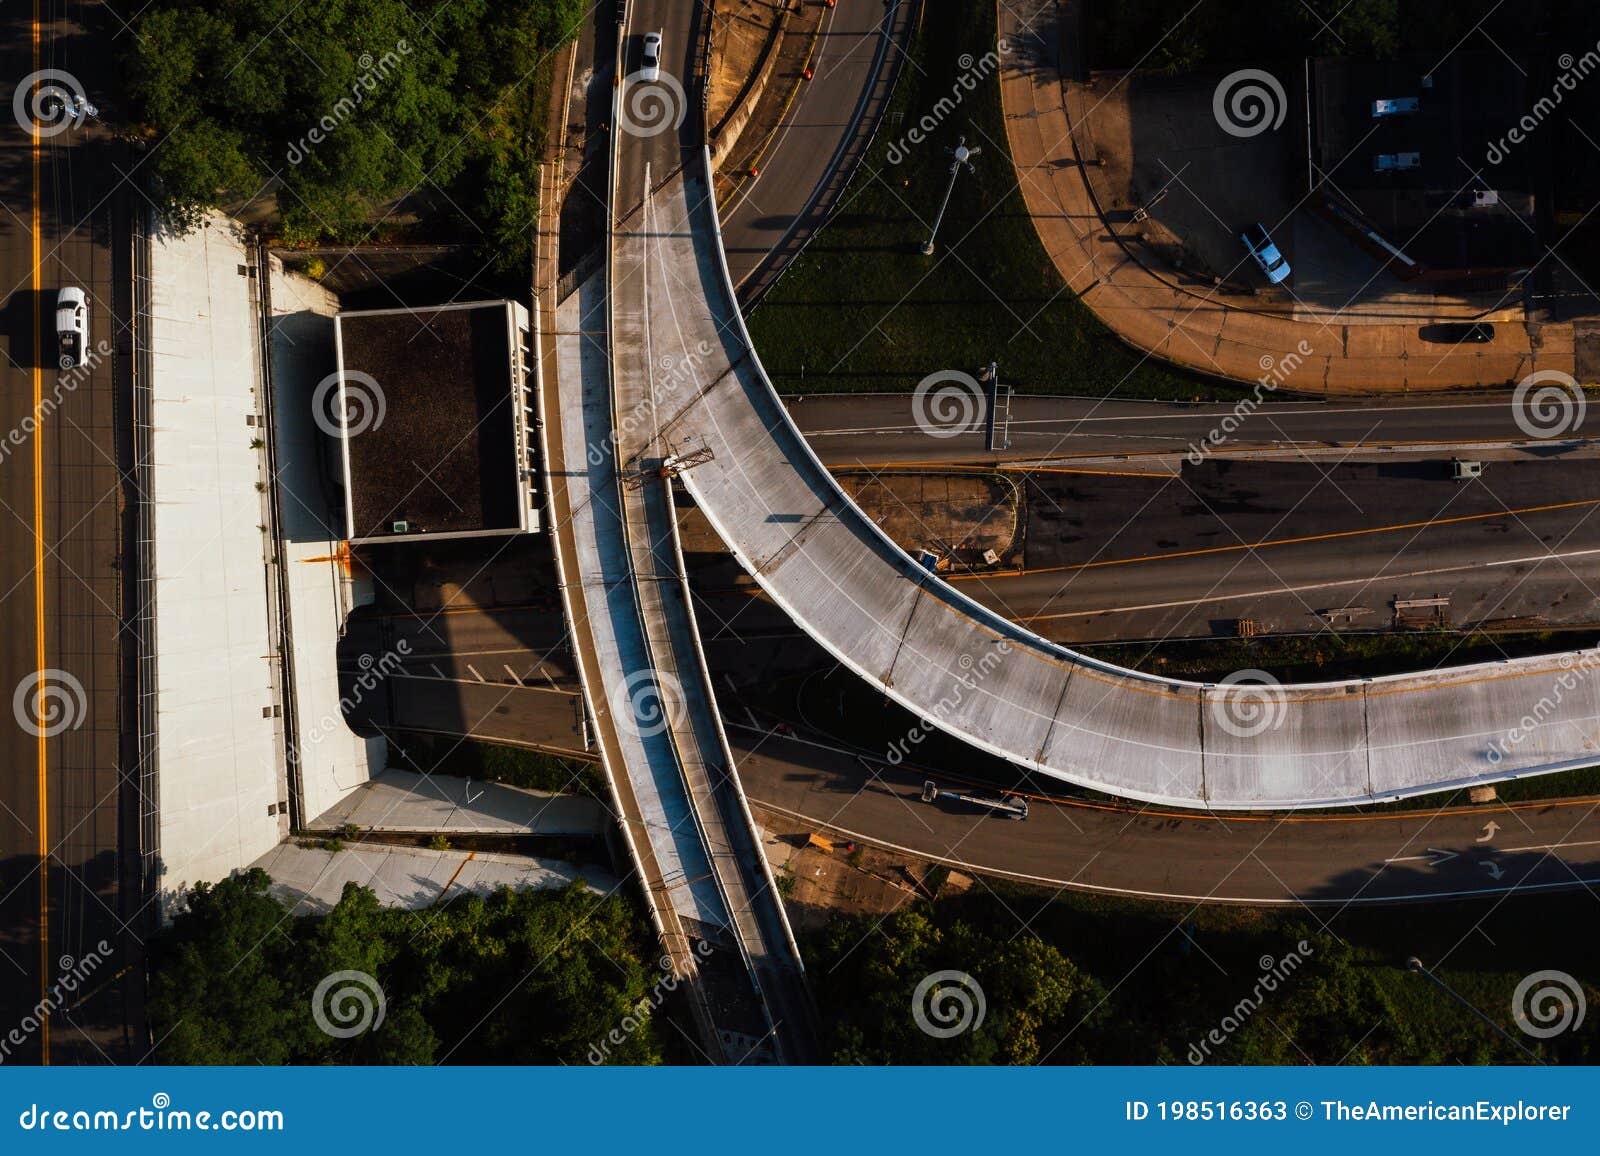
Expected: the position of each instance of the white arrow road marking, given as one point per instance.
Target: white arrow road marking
(1489, 829)
(1492, 868)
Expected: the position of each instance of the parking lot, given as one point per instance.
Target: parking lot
(1161, 150)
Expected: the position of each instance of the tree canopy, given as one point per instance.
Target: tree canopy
(524, 977)
(339, 108)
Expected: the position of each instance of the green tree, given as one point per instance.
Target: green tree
(1032, 996)
(221, 987)
(515, 977)
(339, 110)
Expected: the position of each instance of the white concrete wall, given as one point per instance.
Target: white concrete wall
(219, 755)
(334, 760)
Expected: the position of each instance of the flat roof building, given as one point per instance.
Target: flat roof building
(1414, 148)
(433, 409)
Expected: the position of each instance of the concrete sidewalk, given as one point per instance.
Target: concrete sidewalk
(311, 879)
(401, 801)
(1190, 325)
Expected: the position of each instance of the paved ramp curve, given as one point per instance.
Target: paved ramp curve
(984, 679)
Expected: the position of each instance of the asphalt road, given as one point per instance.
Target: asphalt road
(68, 878)
(851, 429)
(804, 165)
(1299, 547)
(1325, 859)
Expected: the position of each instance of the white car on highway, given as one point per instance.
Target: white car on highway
(72, 327)
(650, 68)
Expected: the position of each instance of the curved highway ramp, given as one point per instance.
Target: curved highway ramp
(988, 681)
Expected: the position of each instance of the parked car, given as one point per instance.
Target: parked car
(651, 67)
(1265, 254)
(72, 327)
(1458, 333)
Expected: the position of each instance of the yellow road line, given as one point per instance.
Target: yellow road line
(1236, 547)
(38, 591)
(999, 467)
(1234, 453)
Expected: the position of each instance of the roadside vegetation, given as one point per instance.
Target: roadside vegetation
(349, 118)
(525, 977)
(863, 310)
(1176, 36)
(492, 763)
(1331, 655)
(1078, 978)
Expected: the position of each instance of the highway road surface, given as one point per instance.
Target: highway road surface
(1144, 851)
(69, 896)
(811, 155)
(852, 429)
(1293, 546)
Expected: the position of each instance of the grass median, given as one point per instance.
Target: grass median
(862, 310)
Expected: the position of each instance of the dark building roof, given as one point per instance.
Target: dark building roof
(1417, 175)
(444, 458)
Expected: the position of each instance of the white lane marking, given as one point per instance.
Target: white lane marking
(1077, 885)
(1186, 416)
(1275, 590)
(1434, 857)
(1448, 855)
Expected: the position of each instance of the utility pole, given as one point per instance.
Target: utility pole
(961, 156)
(997, 435)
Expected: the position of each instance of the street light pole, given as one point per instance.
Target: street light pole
(961, 155)
(1416, 965)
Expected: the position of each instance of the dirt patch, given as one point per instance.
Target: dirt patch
(962, 517)
(793, 50)
(850, 878)
(738, 39)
